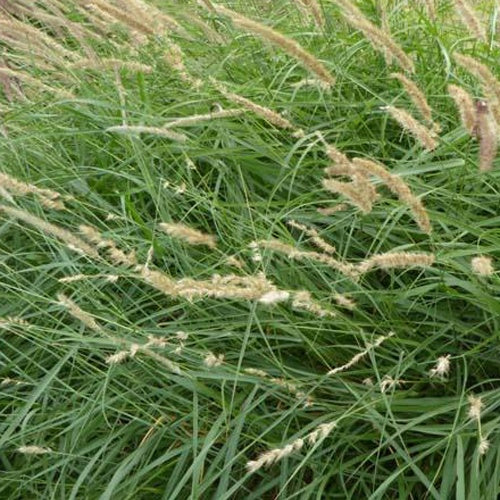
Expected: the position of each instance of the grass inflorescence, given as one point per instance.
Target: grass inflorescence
(249, 249)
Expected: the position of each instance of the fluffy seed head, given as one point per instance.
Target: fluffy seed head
(475, 407)
(33, 450)
(188, 234)
(442, 367)
(482, 265)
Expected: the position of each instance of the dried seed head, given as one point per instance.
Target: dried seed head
(195, 119)
(487, 133)
(139, 129)
(291, 47)
(188, 234)
(275, 455)
(465, 104)
(293, 253)
(267, 114)
(358, 357)
(475, 407)
(490, 85)
(398, 187)
(67, 237)
(117, 358)
(34, 450)
(388, 383)
(344, 301)
(326, 211)
(29, 80)
(484, 446)
(315, 237)
(351, 190)
(379, 39)
(442, 367)
(76, 311)
(395, 260)
(425, 136)
(482, 265)
(211, 360)
(416, 95)
(470, 19)
(303, 300)
(111, 64)
(117, 256)
(274, 297)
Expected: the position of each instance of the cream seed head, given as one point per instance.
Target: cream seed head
(465, 105)
(482, 266)
(484, 446)
(274, 296)
(188, 234)
(470, 19)
(211, 360)
(475, 407)
(290, 46)
(34, 450)
(442, 367)
(425, 136)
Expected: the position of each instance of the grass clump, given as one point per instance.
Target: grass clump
(191, 309)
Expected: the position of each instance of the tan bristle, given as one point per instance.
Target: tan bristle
(24, 77)
(58, 21)
(326, 211)
(47, 197)
(385, 27)
(482, 265)
(430, 7)
(395, 260)
(487, 133)
(361, 186)
(195, 119)
(470, 19)
(490, 84)
(423, 135)
(220, 287)
(275, 455)
(290, 46)
(188, 234)
(77, 312)
(152, 16)
(207, 4)
(295, 254)
(67, 237)
(416, 95)
(313, 8)
(116, 255)
(174, 57)
(111, 64)
(377, 37)
(280, 382)
(265, 113)
(29, 33)
(90, 322)
(33, 450)
(398, 187)
(314, 236)
(123, 17)
(9, 84)
(351, 191)
(304, 301)
(465, 104)
(140, 129)
(358, 357)
(344, 301)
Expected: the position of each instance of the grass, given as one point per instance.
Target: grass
(137, 430)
